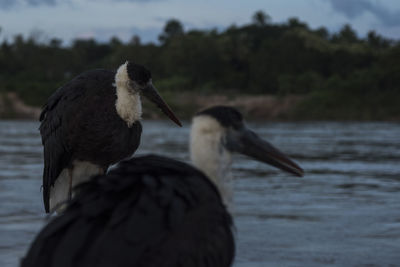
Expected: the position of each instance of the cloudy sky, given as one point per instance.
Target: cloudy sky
(102, 19)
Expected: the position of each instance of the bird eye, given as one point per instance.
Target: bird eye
(134, 86)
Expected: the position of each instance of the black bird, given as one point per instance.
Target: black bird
(150, 211)
(90, 123)
(218, 132)
(155, 211)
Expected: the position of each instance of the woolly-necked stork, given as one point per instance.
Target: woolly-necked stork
(219, 131)
(90, 123)
(155, 211)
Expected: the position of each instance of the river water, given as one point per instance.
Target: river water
(344, 212)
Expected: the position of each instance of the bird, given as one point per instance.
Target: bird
(90, 123)
(157, 211)
(220, 131)
(149, 211)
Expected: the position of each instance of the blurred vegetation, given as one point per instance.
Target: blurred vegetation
(340, 75)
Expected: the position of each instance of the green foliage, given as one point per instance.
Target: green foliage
(342, 105)
(338, 74)
(172, 29)
(261, 19)
(174, 84)
(299, 84)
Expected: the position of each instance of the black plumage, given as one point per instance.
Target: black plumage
(80, 122)
(227, 116)
(149, 211)
(92, 122)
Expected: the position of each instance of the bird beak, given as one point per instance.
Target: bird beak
(150, 92)
(247, 142)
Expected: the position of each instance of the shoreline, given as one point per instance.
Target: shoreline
(12, 107)
(186, 104)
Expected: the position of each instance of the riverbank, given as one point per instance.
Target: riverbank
(252, 106)
(12, 107)
(318, 106)
(185, 104)
(330, 106)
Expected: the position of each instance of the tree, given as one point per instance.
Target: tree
(346, 35)
(172, 29)
(37, 36)
(135, 40)
(55, 43)
(322, 32)
(260, 18)
(115, 42)
(377, 41)
(294, 22)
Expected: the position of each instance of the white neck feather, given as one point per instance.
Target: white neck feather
(209, 155)
(128, 104)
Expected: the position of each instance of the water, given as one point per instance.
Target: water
(344, 212)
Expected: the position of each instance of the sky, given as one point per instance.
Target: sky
(103, 19)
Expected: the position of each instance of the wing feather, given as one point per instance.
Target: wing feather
(150, 211)
(55, 119)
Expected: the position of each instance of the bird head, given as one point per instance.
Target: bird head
(138, 80)
(232, 135)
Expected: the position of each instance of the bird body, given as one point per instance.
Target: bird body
(149, 211)
(155, 211)
(88, 124)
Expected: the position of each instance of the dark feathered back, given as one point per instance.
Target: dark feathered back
(227, 116)
(149, 211)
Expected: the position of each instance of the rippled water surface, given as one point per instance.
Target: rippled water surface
(344, 212)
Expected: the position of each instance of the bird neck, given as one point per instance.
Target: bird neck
(209, 155)
(128, 103)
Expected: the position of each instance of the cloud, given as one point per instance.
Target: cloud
(6, 4)
(356, 8)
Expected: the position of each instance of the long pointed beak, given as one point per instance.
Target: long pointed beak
(150, 92)
(249, 143)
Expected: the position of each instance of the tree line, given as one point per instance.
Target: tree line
(258, 58)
